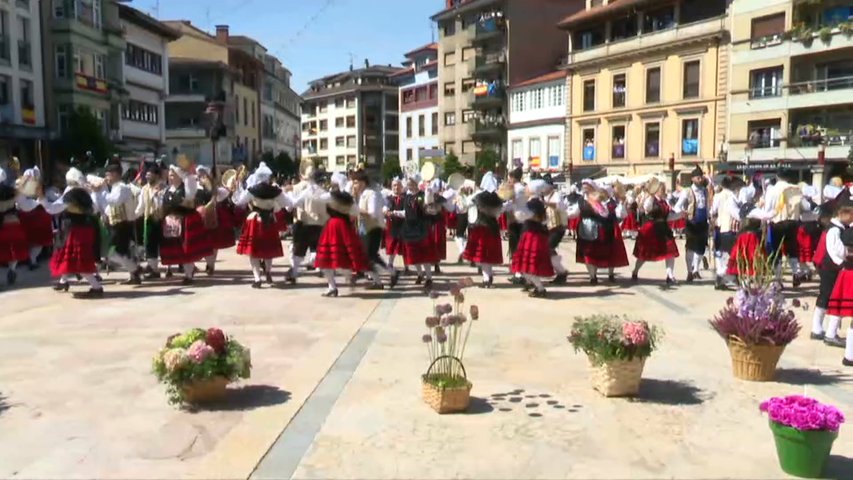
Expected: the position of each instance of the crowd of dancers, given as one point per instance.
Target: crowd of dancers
(166, 219)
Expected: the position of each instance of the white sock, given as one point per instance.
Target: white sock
(419, 269)
(670, 268)
(832, 326)
(64, 279)
(91, 280)
(268, 265)
(211, 259)
(848, 349)
(610, 271)
(154, 263)
(592, 270)
(13, 266)
(330, 278)
(295, 263)
(817, 320)
(460, 244)
(256, 268)
(189, 270)
(487, 272)
(722, 263)
(347, 274)
(536, 281)
(697, 262)
(125, 263)
(427, 270)
(688, 260)
(34, 253)
(391, 259)
(795, 265)
(309, 260)
(557, 264)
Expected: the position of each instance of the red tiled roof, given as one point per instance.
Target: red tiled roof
(429, 46)
(548, 77)
(614, 6)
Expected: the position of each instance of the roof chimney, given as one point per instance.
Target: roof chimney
(222, 34)
(366, 63)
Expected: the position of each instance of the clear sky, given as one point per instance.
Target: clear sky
(313, 38)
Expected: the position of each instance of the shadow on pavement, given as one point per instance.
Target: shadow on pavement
(669, 392)
(810, 376)
(838, 467)
(479, 406)
(3, 404)
(247, 398)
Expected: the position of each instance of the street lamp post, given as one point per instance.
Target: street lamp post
(821, 154)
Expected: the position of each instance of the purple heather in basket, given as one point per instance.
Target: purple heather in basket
(802, 413)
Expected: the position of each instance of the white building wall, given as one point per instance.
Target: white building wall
(335, 157)
(15, 73)
(417, 142)
(522, 144)
(536, 102)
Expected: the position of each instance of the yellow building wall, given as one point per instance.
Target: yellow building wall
(192, 45)
(670, 112)
(244, 128)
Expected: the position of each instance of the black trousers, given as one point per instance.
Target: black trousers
(785, 233)
(555, 236)
(305, 237)
(696, 237)
(514, 234)
(372, 243)
(121, 234)
(461, 225)
(827, 283)
(152, 235)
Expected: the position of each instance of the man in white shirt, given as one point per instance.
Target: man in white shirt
(121, 214)
(693, 202)
(311, 216)
(785, 202)
(724, 211)
(371, 223)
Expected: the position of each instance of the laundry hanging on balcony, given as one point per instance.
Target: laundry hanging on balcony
(487, 89)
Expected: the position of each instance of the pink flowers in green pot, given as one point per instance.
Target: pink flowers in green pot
(802, 413)
(198, 355)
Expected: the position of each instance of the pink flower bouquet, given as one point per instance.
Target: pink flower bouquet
(802, 413)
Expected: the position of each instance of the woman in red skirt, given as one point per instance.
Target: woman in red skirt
(600, 243)
(418, 244)
(438, 229)
(80, 242)
(655, 240)
(340, 248)
(533, 256)
(484, 246)
(13, 238)
(631, 224)
(219, 223)
(394, 224)
(841, 300)
(747, 249)
(37, 223)
(260, 239)
(185, 238)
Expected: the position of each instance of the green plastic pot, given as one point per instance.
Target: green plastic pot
(802, 453)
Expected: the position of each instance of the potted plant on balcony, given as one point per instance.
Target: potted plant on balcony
(617, 349)
(804, 430)
(198, 365)
(445, 386)
(825, 34)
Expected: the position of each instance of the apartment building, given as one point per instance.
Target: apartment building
(537, 124)
(245, 57)
(142, 125)
(84, 42)
(791, 80)
(487, 45)
(419, 120)
(352, 118)
(201, 81)
(647, 85)
(22, 111)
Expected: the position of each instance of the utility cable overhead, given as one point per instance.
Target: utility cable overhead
(308, 23)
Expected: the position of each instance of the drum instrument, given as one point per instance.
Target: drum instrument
(183, 162)
(506, 192)
(306, 168)
(430, 171)
(28, 186)
(456, 181)
(95, 181)
(473, 214)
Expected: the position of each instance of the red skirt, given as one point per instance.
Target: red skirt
(423, 252)
(281, 220)
(503, 222)
(194, 244)
(609, 253)
(533, 255)
(679, 224)
(39, 227)
(651, 247)
(450, 219)
(630, 224)
(841, 301)
(13, 243)
(223, 235)
(807, 245)
(259, 239)
(393, 246)
(820, 251)
(573, 224)
(484, 246)
(340, 247)
(744, 249)
(438, 231)
(77, 254)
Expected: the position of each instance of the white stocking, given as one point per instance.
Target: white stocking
(592, 270)
(697, 262)
(256, 268)
(833, 322)
(817, 320)
(536, 281)
(722, 263)
(848, 350)
(125, 262)
(268, 265)
(211, 259)
(34, 253)
(795, 265)
(154, 263)
(670, 267)
(557, 263)
(688, 260)
(295, 263)
(487, 271)
(64, 279)
(189, 270)
(391, 259)
(427, 270)
(330, 278)
(91, 280)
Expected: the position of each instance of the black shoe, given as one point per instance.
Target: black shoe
(428, 284)
(289, 278)
(690, 278)
(152, 276)
(60, 287)
(705, 263)
(269, 278)
(34, 266)
(358, 275)
(635, 277)
(436, 269)
(593, 281)
(611, 278)
(331, 293)
(256, 285)
(538, 294)
(98, 277)
(460, 260)
(798, 280)
(79, 278)
(817, 336)
(670, 282)
(526, 287)
(406, 271)
(420, 280)
(516, 280)
(310, 268)
(169, 273)
(375, 286)
(180, 269)
(696, 276)
(11, 277)
(846, 363)
(560, 279)
(395, 279)
(133, 280)
(209, 270)
(834, 342)
(148, 270)
(91, 294)
(187, 281)
(491, 282)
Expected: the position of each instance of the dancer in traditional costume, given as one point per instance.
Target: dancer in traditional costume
(121, 206)
(37, 223)
(370, 227)
(214, 206)
(418, 247)
(831, 254)
(694, 203)
(78, 248)
(311, 215)
(393, 223)
(724, 213)
(185, 239)
(339, 249)
(748, 248)
(785, 201)
(438, 228)
(14, 247)
(556, 219)
(841, 299)
(260, 239)
(655, 240)
(631, 224)
(484, 247)
(810, 229)
(150, 210)
(515, 212)
(461, 204)
(532, 259)
(600, 243)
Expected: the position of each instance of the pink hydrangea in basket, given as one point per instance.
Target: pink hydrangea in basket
(804, 430)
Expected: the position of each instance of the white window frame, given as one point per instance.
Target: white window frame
(558, 151)
(96, 13)
(99, 66)
(517, 149)
(61, 53)
(698, 136)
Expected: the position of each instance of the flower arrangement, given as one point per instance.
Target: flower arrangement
(605, 338)
(757, 316)
(802, 413)
(198, 355)
(448, 329)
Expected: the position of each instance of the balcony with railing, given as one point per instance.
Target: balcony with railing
(489, 96)
(490, 27)
(490, 64)
(488, 129)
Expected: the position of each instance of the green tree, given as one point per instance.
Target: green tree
(452, 165)
(391, 168)
(487, 161)
(85, 133)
